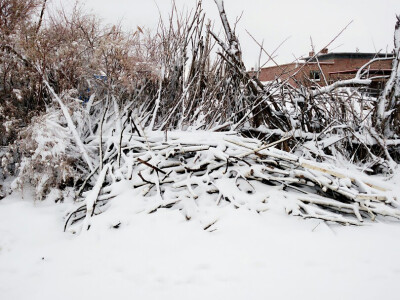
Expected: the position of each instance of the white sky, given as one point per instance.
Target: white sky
(275, 20)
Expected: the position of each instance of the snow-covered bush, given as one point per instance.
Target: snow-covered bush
(49, 157)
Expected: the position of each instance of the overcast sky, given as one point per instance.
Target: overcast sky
(275, 20)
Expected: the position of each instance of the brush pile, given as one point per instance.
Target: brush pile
(194, 171)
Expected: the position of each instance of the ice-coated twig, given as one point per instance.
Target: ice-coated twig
(71, 126)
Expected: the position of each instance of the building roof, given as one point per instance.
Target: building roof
(348, 55)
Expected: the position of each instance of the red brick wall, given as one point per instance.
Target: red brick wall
(303, 72)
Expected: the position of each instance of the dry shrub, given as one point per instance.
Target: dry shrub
(73, 52)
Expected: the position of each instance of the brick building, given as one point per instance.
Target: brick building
(332, 67)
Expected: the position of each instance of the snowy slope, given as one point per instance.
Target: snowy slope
(162, 256)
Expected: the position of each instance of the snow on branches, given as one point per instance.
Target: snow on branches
(195, 172)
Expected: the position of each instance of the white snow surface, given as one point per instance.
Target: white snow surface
(163, 256)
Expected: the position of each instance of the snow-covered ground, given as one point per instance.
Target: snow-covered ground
(163, 256)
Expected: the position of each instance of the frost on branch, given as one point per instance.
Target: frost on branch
(388, 107)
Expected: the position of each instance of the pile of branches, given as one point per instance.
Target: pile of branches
(193, 172)
(172, 171)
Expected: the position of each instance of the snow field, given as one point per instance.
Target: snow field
(163, 256)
